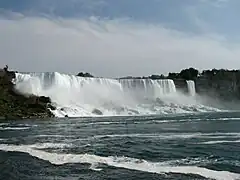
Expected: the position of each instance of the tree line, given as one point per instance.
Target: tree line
(188, 74)
(194, 74)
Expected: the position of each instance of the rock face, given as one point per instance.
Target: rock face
(221, 89)
(220, 84)
(181, 85)
(228, 90)
(16, 106)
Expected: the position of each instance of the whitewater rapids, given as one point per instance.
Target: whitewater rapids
(79, 96)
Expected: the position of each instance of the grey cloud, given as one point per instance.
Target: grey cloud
(108, 48)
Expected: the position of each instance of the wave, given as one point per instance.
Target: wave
(79, 96)
(160, 136)
(221, 142)
(13, 128)
(53, 135)
(173, 135)
(4, 124)
(51, 145)
(121, 162)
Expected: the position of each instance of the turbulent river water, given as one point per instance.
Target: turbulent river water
(120, 129)
(183, 146)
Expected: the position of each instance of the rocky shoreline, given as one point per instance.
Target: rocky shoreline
(14, 105)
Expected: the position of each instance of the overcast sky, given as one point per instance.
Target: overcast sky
(119, 37)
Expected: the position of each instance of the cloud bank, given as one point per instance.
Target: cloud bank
(108, 48)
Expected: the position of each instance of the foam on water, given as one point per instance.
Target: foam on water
(174, 136)
(78, 96)
(160, 136)
(4, 124)
(13, 128)
(51, 145)
(121, 162)
(53, 135)
(221, 142)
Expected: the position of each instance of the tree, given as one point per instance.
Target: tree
(172, 75)
(81, 74)
(189, 74)
(153, 77)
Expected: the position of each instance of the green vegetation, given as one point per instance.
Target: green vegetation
(221, 74)
(81, 74)
(193, 74)
(186, 74)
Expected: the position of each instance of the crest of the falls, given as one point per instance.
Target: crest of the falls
(80, 96)
(148, 88)
(191, 87)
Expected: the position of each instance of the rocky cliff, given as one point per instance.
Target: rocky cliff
(220, 89)
(219, 84)
(14, 105)
(228, 90)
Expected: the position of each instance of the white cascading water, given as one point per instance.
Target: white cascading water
(78, 96)
(191, 88)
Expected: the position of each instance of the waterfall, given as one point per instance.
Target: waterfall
(191, 88)
(148, 87)
(80, 96)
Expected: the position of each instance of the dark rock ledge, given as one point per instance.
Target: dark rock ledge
(14, 105)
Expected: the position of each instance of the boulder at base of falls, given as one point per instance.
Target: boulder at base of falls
(44, 99)
(97, 112)
(50, 106)
(14, 105)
